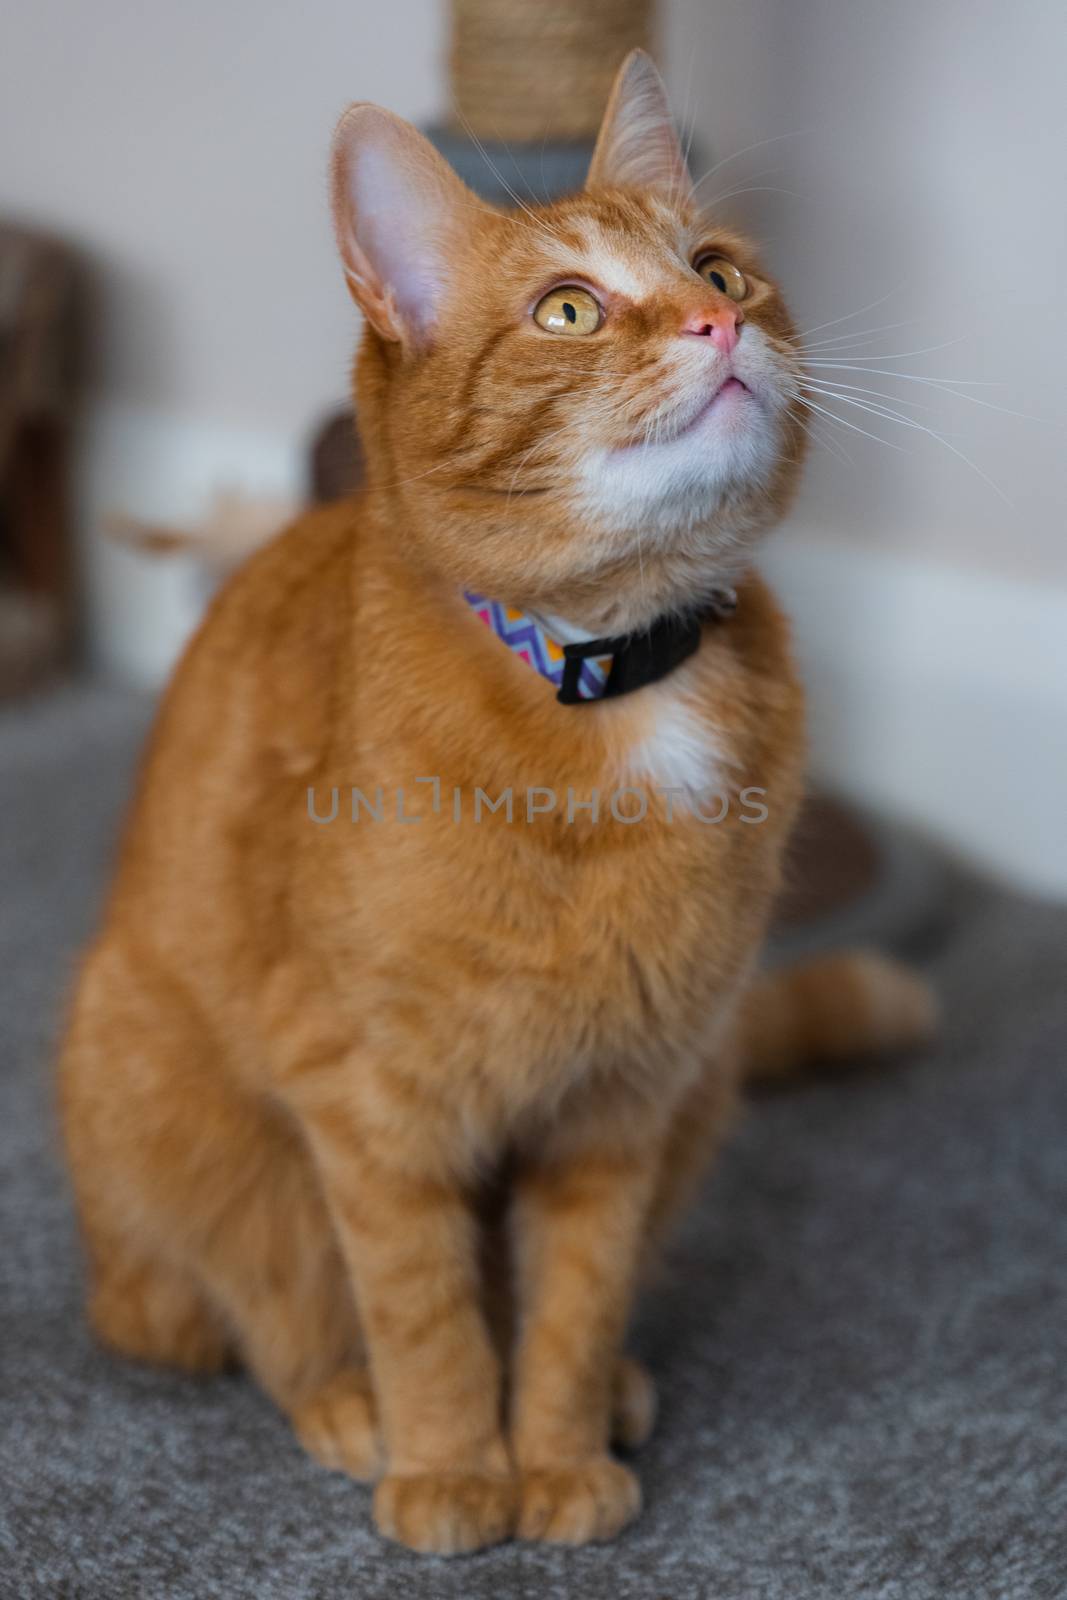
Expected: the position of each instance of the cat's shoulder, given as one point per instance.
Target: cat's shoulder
(304, 565)
(283, 606)
(255, 672)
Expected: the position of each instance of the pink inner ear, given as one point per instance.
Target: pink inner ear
(399, 212)
(638, 146)
(396, 222)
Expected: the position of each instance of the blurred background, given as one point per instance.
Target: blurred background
(176, 333)
(860, 1348)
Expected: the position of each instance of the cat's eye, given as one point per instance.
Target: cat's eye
(723, 275)
(570, 311)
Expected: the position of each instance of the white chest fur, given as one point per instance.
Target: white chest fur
(676, 750)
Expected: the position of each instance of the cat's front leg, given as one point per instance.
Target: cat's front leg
(580, 1221)
(409, 1237)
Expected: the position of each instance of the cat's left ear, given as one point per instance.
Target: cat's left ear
(637, 147)
(400, 214)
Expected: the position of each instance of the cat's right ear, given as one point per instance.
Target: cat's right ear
(637, 146)
(398, 212)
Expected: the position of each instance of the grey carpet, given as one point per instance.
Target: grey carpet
(860, 1343)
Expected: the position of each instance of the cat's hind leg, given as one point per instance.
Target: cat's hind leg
(157, 1313)
(277, 1273)
(206, 1232)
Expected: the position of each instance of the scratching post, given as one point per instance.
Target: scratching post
(531, 69)
(529, 80)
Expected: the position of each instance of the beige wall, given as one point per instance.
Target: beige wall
(926, 165)
(182, 147)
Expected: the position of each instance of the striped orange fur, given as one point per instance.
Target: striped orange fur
(392, 1111)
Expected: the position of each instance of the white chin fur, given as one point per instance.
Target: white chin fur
(683, 483)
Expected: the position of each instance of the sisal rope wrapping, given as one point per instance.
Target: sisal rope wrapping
(529, 70)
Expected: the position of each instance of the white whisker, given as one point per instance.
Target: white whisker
(846, 340)
(536, 221)
(827, 439)
(849, 315)
(844, 424)
(901, 355)
(875, 408)
(834, 387)
(948, 386)
(759, 145)
(912, 422)
(756, 188)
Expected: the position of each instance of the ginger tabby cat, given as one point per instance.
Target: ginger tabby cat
(393, 1111)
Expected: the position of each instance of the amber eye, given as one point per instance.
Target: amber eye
(723, 275)
(571, 311)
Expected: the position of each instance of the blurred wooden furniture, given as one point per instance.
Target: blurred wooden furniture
(37, 280)
(336, 465)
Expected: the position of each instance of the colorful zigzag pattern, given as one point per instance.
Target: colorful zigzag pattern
(530, 641)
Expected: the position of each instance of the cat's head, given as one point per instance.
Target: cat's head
(585, 406)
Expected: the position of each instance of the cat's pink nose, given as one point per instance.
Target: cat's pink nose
(719, 324)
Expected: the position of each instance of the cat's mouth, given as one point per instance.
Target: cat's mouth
(728, 393)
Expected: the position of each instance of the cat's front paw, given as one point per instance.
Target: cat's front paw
(578, 1504)
(445, 1513)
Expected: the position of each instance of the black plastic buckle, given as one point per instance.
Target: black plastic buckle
(638, 659)
(573, 656)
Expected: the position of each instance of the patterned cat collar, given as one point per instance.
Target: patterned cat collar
(601, 669)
